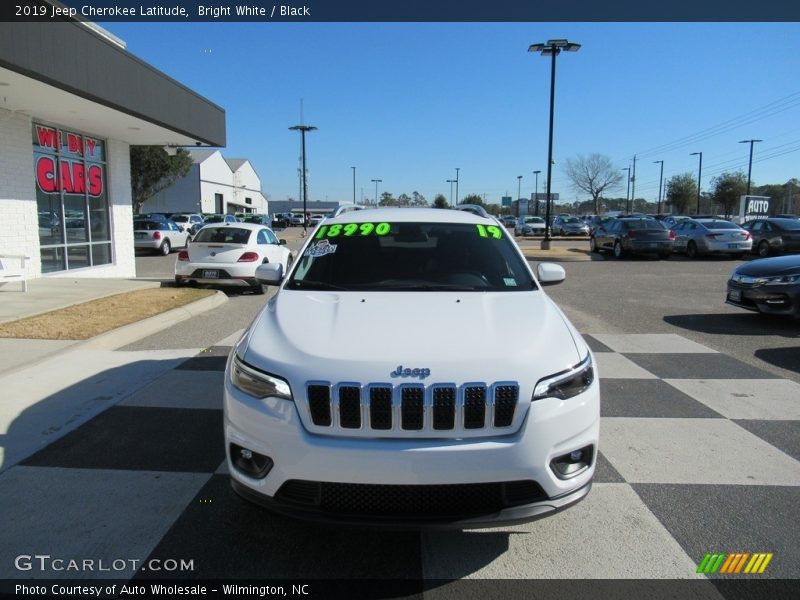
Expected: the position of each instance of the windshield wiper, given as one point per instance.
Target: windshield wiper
(309, 284)
(427, 287)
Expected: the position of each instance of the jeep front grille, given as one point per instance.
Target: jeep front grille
(412, 408)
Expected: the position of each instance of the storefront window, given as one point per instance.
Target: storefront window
(72, 199)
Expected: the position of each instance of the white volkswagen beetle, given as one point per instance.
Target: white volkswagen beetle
(408, 402)
(228, 254)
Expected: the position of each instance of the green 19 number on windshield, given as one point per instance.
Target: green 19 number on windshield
(351, 229)
(490, 230)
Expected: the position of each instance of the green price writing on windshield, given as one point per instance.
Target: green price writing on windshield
(489, 231)
(351, 229)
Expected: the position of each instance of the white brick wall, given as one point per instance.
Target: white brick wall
(19, 223)
(19, 226)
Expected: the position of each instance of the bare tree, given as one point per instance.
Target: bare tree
(593, 174)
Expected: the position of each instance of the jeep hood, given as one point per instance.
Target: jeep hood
(365, 337)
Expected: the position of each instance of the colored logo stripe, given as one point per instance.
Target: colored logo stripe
(734, 563)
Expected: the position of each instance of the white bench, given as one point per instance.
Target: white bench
(12, 268)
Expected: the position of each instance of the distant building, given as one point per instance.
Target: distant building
(214, 184)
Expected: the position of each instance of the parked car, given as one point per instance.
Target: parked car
(632, 236)
(596, 220)
(774, 235)
(219, 218)
(671, 220)
(508, 220)
(296, 219)
(768, 285)
(529, 225)
(345, 207)
(316, 220)
(711, 236)
(325, 420)
(478, 210)
(569, 226)
(187, 220)
(228, 255)
(160, 236)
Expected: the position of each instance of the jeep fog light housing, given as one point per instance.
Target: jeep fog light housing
(573, 463)
(250, 463)
(568, 383)
(257, 383)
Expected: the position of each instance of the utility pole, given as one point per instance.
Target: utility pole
(633, 184)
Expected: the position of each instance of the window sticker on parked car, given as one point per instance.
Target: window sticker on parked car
(489, 231)
(510, 281)
(321, 248)
(350, 229)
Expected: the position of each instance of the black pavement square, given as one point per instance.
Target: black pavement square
(604, 471)
(649, 398)
(229, 537)
(210, 359)
(142, 439)
(595, 344)
(697, 366)
(730, 518)
(784, 435)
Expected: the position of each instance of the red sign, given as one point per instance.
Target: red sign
(73, 177)
(48, 138)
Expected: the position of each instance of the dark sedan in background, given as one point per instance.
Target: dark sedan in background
(774, 235)
(769, 285)
(632, 236)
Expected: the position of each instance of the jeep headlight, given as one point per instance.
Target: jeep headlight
(568, 383)
(257, 383)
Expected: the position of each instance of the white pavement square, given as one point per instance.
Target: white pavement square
(774, 399)
(653, 343)
(693, 451)
(615, 366)
(611, 534)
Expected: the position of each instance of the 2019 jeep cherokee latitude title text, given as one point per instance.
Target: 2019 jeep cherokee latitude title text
(381, 386)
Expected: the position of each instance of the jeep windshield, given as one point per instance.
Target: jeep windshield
(411, 257)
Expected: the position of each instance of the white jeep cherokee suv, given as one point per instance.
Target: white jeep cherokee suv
(380, 385)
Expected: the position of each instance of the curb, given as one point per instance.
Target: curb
(127, 334)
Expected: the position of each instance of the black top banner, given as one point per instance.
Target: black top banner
(402, 10)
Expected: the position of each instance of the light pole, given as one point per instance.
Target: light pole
(451, 182)
(628, 191)
(536, 192)
(750, 164)
(457, 170)
(633, 185)
(660, 182)
(354, 184)
(552, 48)
(519, 191)
(302, 129)
(376, 182)
(699, 175)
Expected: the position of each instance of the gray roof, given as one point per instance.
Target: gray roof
(235, 163)
(199, 156)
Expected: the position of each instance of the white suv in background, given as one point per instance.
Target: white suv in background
(407, 403)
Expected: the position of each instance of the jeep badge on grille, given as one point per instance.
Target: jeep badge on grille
(401, 372)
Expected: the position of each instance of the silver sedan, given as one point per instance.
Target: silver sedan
(711, 236)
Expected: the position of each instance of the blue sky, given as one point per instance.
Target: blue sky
(408, 103)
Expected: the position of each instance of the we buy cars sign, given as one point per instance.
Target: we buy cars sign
(72, 175)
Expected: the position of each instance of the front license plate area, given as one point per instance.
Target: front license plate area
(210, 274)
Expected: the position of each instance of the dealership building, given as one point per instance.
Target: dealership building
(72, 102)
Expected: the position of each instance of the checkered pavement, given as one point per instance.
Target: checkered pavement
(699, 453)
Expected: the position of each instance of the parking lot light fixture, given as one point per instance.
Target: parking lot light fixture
(552, 48)
(376, 182)
(699, 175)
(628, 192)
(750, 164)
(303, 129)
(660, 182)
